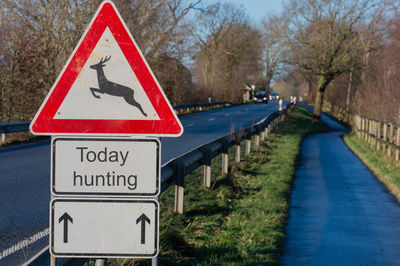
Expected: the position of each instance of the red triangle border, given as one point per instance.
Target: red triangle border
(106, 16)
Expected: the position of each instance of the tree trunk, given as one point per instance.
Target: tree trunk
(310, 95)
(319, 96)
(267, 85)
(349, 91)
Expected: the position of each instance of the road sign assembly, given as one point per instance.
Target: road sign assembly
(110, 185)
(104, 228)
(105, 166)
(106, 87)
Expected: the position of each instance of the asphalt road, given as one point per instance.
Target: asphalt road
(340, 214)
(25, 170)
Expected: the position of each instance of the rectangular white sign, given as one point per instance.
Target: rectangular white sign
(104, 228)
(105, 166)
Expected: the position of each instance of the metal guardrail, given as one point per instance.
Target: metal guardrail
(380, 135)
(179, 109)
(190, 107)
(14, 127)
(174, 172)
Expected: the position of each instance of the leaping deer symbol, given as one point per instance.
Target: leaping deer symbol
(111, 88)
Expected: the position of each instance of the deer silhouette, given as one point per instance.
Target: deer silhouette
(111, 88)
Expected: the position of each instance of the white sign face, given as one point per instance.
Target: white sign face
(104, 228)
(105, 166)
(84, 103)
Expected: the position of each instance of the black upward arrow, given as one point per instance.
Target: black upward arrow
(143, 218)
(65, 217)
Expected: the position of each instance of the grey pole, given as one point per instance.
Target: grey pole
(100, 262)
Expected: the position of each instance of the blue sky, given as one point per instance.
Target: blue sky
(258, 9)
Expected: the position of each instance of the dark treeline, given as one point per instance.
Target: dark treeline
(345, 52)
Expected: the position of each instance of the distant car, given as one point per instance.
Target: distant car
(274, 96)
(260, 97)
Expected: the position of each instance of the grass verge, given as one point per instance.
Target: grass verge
(241, 219)
(385, 169)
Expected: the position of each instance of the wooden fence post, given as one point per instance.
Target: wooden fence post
(257, 140)
(373, 143)
(237, 152)
(378, 135)
(369, 131)
(362, 127)
(398, 144)
(225, 158)
(384, 137)
(262, 135)
(375, 133)
(371, 134)
(390, 139)
(357, 125)
(248, 145)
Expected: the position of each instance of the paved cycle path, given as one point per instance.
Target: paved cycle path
(339, 213)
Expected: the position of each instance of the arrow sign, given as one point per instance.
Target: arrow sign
(65, 217)
(104, 227)
(143, 218)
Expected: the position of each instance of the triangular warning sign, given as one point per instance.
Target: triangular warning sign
(106, 87)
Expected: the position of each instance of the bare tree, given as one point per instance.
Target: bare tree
(292, 84)
(230, 52)
(378, 95)
(156, 24)
(329, 38)
(275, 48)
(39, 36)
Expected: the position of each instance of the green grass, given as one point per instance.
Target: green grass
(385, 169)
(241, 220)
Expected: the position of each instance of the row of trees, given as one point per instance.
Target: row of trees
(196, 51)
(346, 52)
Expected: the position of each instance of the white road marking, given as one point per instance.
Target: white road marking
(190, 125)
(211, 119)
(24, 243)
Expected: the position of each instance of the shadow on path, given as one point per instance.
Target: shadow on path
(339, 213)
